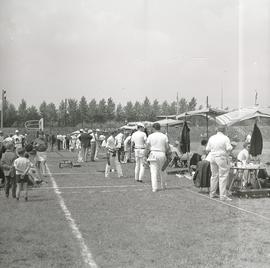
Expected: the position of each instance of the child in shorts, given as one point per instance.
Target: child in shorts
(22, 166)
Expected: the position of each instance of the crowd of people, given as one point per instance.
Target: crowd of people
(149, 150)
(24, 162)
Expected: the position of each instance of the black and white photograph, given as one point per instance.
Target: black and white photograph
(134, 133)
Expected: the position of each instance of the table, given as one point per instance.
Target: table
(241, 169)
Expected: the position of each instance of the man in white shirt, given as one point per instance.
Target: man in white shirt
(127, 148)
(119, 143)
(138, 140)
(219, 147)
(243, 157)
(156, 147)
(17, 140)
(111, 157)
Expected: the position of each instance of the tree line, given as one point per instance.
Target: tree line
(71, 112)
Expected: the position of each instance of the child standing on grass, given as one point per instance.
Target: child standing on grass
(22, 166)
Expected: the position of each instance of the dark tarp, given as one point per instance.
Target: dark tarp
(185, 139)
(256, 143)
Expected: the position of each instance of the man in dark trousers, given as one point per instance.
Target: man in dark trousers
(7, 161)
(85, 140)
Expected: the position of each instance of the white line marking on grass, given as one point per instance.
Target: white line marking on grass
(80, 173)
(104, 191)
(86, 254)
(230, 205)
(91, 187)
(113, 191)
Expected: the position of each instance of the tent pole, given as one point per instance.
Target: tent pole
(207, 134)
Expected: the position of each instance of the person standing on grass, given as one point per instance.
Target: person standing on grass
(59, 140)
(53, 141)
(40, 145)
(119, 143)
(243, 158)
(97, 143)
(219, 147)
(67, 141)
(93, 143)
(17, 139)
(157, 145)
(7, 162)
(138, 141)
(112, 157)
(85, 139)
(22, 166)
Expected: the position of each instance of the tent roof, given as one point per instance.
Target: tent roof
(242, 114)
(169, 122)
(172, 116)
(212, 112)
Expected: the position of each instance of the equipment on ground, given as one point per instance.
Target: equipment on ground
(65, 163)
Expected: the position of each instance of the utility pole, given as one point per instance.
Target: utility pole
(256, 98)
(207, 123)
(222, 86)
(2, 108)
(177, 104)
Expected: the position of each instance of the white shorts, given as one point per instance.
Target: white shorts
(41, 156)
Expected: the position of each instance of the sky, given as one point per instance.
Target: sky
(129, 49)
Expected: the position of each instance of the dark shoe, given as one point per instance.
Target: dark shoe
(17, 198)
(140, 181)
(26, 199)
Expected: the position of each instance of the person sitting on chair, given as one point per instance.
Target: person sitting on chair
(176, 154)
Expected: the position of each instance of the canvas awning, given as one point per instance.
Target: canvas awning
(168, 122)
(239, 115)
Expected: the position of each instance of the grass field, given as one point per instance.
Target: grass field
(81, 219)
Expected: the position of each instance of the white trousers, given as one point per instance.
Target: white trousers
(139, 167)
(157, 160)
(220, 168)
(112, 161)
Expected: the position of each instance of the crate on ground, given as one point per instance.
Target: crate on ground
(65, 163)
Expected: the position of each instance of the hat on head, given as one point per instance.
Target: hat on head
(140, 124)
(156, 126)
(90, 130)
(221, 128)
(16, 131)
(81, 130)
(1, 132)
(97, 129)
